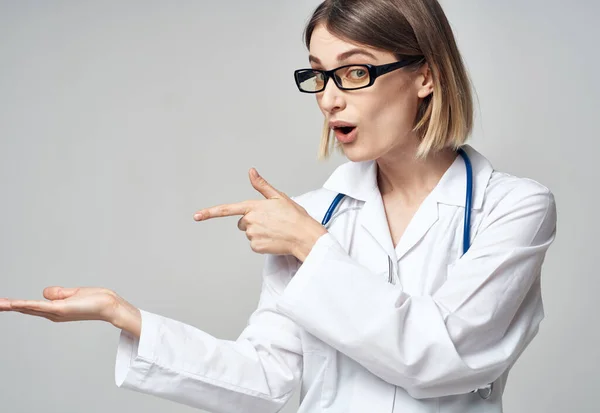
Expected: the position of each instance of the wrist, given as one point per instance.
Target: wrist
(127, 317)
(307, 241)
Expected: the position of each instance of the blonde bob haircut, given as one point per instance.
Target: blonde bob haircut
(408, 28)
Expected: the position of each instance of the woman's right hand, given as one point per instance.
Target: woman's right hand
(78, 304)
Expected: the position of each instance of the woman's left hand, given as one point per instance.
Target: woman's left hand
(274, 225)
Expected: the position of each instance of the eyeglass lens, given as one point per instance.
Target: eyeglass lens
(351, 77)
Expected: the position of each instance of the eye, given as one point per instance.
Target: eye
(358, 73)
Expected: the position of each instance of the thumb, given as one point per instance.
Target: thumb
(59, 293)
(261, 185)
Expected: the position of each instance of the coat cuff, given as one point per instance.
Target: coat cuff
(136, 356)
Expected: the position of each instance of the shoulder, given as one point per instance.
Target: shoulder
(521, 206)
(494, 188)
(504, 189)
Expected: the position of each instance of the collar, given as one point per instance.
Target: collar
(358, 180)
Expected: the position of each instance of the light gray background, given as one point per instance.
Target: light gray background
(118, 119)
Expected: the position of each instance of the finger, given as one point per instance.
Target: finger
(250, 233)
(242, 224)
(50, 317)
(261, 185)
(59, 293)
(225, 210)
(32, 305)
(4, 304)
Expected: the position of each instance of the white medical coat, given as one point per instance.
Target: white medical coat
(352, 339)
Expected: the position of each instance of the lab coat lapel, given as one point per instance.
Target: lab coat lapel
(359, 181)
(421, 222)
(450, 190)
(373, 219)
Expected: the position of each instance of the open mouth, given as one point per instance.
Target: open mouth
(346, 129)
(345, 134)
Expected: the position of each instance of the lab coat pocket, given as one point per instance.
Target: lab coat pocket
(321, 362)
(312, 376)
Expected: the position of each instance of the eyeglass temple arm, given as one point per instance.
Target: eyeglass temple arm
(383, 69)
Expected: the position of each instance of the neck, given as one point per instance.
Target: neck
(404, 178)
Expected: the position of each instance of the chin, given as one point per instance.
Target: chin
(357, 153)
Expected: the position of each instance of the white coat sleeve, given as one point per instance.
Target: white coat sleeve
(462, 337)
(257, 373)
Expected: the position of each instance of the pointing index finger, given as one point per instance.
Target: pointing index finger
(225, 210)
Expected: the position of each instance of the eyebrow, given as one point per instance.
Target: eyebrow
(344, 55)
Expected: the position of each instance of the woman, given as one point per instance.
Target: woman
(388, 302)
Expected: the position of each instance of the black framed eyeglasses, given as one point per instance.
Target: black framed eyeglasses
(348, 77)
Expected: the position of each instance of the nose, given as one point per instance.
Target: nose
(331, 100)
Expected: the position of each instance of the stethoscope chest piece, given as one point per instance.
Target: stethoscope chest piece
(486, 392)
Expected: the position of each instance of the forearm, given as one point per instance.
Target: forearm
(257, 373)
(415, 342)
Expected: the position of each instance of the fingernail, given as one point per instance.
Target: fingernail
(198, 216)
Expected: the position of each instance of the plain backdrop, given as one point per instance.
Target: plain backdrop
(119, 119)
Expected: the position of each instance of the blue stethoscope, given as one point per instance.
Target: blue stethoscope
(484, 392)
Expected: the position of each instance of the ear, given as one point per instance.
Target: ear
(424, 81)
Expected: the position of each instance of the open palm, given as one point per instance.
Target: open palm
(67, 304)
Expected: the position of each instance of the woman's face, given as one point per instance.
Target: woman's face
(384, 113)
